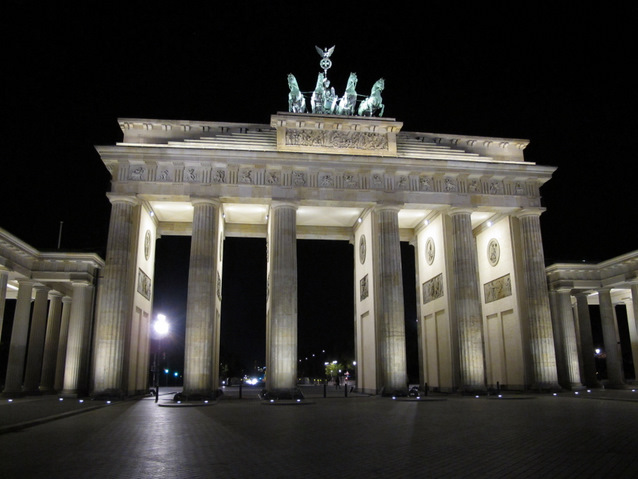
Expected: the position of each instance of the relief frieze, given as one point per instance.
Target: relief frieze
(498, 289)
(357, 140)
(363, 288)
(144, 284)
(433, 289)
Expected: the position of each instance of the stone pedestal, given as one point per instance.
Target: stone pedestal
(18, 345)
(200, 309)
(390, 311)
(115, 299)
(538, 310)
(281, 326)
(467, 304)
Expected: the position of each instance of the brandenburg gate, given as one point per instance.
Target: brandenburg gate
(469, 205)
(329, 170)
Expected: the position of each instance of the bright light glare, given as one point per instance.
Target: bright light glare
(161, 326)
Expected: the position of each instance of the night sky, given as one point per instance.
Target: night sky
(561, 77)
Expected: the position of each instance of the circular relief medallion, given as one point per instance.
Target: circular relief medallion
(493, 252)
(429, 251)
(147, 244)
(362, 249)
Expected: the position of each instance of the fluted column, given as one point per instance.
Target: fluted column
(632, 319)
(35, 351)
(568, 340)
(60, 362)
(586, 342)
(615, 376)
(467, 303)
(51, 340)
(78, 344)
(4, 278)
(538, 311)
(281, 327)
(200, 309)
(116, 291)
(391, 354)
(19, 336)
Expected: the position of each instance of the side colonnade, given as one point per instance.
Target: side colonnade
(49, 348)
(612, 288)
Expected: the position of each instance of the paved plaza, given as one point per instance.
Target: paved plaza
(569, 435)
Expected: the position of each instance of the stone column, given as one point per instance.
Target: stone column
(615, 376)
(200, 309)
(35, 351)
(77, 350)
(391, 355)
(467, 303)
(4, 278)
(19, 336)
(116, 291)
(568, 340)
(632, 319)
(60, 362)
(586, 342)
(51, 340)
(538, 311)
(281, 327)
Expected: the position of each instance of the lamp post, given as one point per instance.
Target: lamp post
(161, 328)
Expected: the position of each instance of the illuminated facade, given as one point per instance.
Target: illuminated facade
(469, 205)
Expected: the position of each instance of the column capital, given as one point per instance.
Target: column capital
(460, 210)
(283, 204)
(199, 200)
(388, 207)
(122, 198)
(55, 294)
(528, 212)
(67, 299)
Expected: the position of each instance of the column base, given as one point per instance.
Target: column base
(615, 385)
(293, 393)
(546, 387)
(472, 390)
(106, 395)
(394, 392)
(12, 394)
(197, 395)
(46, 390)
(32, 392)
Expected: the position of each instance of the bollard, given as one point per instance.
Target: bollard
(425, 389)
(345, 388)
(241, 383)
(325, 383)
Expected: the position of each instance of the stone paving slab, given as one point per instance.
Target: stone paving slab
(567, 435)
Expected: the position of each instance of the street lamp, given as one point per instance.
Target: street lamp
(161, 328)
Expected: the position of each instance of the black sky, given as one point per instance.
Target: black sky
(561, 77)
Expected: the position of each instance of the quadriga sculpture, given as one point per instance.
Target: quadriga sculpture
(296, 100)
(348, 101)
(374, 102)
